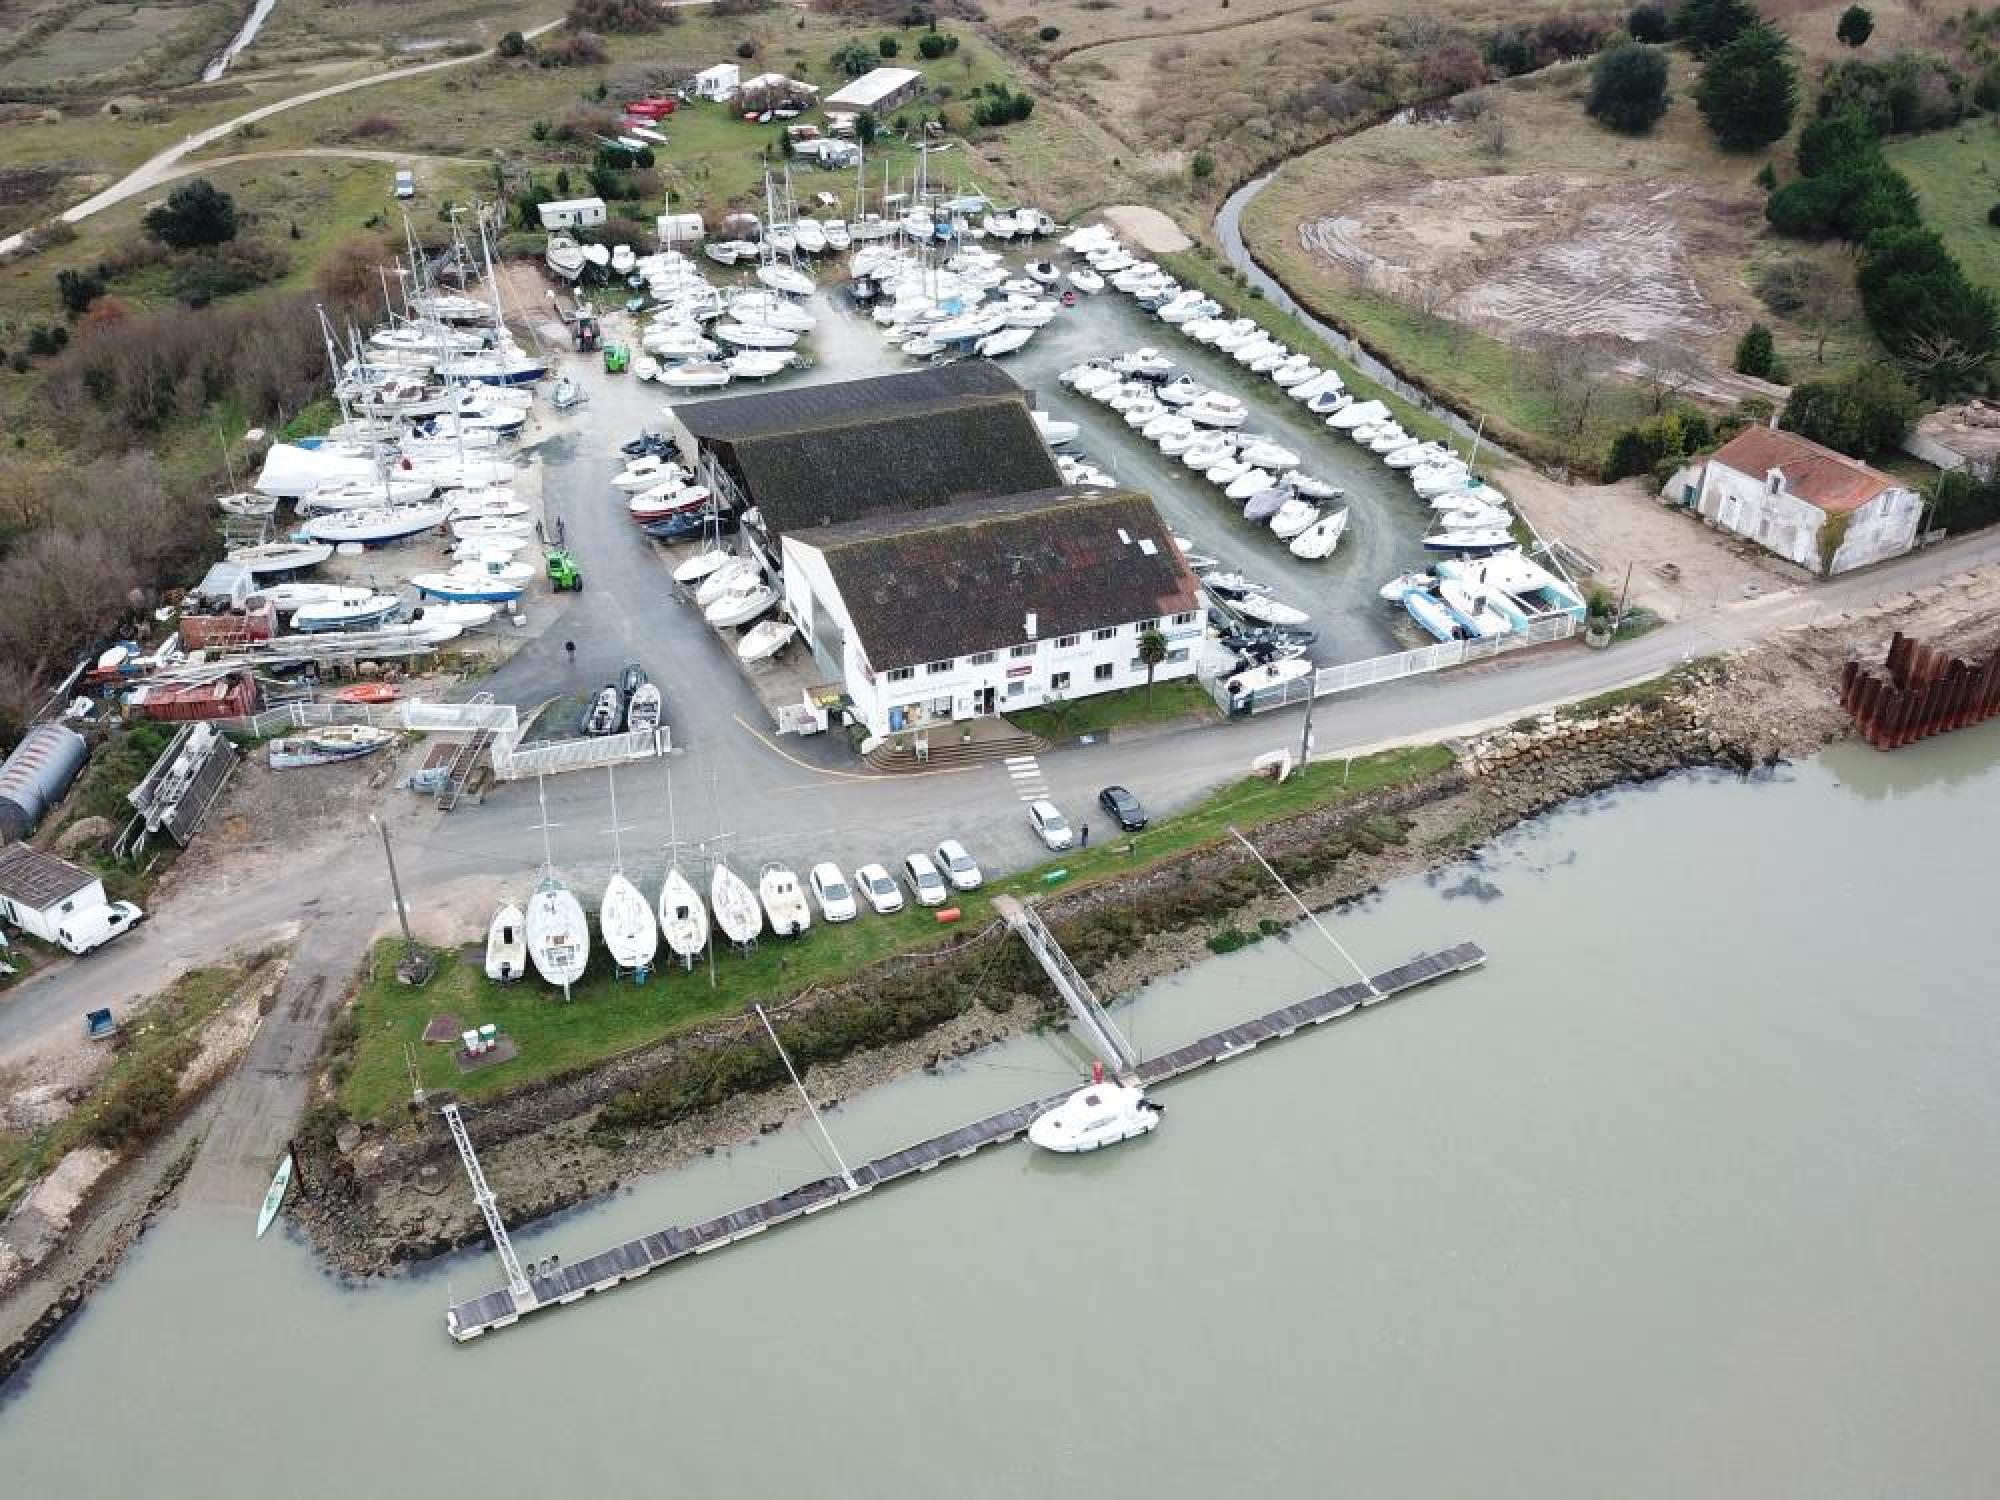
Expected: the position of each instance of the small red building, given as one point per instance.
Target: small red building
(256, 621)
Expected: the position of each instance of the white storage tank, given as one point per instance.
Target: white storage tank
(34, 778)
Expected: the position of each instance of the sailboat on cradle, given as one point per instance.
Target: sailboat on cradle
(624, 916)
(558, 935)
(683, 919)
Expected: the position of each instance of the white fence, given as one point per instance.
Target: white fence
(511, 762)
(511, 759)
(1346, 676)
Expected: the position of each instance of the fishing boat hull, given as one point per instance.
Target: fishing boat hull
(625, 921)
(274, 1196)
(683, 919)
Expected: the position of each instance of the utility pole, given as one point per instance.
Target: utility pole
(1306, 734)
(1624, 590)
(415, 966)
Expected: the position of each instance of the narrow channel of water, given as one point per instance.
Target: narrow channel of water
(245, 35)
(1689, 1192)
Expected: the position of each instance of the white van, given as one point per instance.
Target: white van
(406, 184)
(97, 925)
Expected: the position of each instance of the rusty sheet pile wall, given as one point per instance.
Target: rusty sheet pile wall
(1918, 691)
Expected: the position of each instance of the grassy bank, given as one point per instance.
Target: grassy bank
(608, 1017)
(139, 1091)
(1956, 174)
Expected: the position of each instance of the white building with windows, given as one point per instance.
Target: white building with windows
(992, 605)
(1811, 504)
(717, 83)
(39, 892)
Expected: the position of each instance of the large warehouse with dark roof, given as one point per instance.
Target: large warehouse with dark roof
(929, 552)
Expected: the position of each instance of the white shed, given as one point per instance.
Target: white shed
(878, 90)
(718, 82)
(571, 213)
(679, 229)
(38, 892)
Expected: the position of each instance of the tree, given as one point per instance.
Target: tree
(1710, 25)
(1936, 324)
(853, 60)
(1857, 24)
(1648, 22)
(195, 214)
(1755, 353)
(513, 44)
(1868, 413)
(865, 127)
(1628, 87)
(1748, 90)
(1152, 651)
(932, 45)
(888, 46)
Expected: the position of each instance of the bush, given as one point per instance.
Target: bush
(1452, 68)
(513, 44)
(1647, 449)
(47, 338)
(1993, 215)
(1710, 25)
(78, 289)
(1628, 87)
(614, 15)
(1748, 90)
(852, 60)
(578, 49)
(1203, 166)
(1866, 414)
(1049, 33)
(746, 49)
(888, 46)
(935, 44)
(1511, 53)
(195, 214)
(1856, 26)
(1648, 22)
(201, 278)
(1000, 105)
(1909, 92)
(1756, 355)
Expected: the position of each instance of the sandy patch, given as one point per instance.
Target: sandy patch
(1147, 228)
(1516, 253)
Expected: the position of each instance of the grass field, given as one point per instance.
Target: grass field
(714, 160)
(608, 1017)
(1716, 222)
(1957, 177)
(1167, 703)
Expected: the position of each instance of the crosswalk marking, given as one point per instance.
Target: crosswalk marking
(1026, 773)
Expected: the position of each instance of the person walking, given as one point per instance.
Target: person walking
(1083, 834)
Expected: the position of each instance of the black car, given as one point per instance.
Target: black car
(1123, 806)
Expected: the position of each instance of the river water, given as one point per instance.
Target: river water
(1689, 1192)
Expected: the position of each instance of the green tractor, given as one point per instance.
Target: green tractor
(563, 571)
(617, 359)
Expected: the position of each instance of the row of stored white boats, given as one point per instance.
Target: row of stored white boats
(552, 935)
(703, 337)
(1201, 427)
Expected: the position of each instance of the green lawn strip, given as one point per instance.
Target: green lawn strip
(607, 1016)
(136, 1094)
(1167, 703)
(1956, 173)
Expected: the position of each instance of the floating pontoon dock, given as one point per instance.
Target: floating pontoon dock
(573, 1282)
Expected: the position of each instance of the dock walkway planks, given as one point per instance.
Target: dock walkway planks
(635, 1258)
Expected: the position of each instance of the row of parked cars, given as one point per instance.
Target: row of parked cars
(931, 878)
(949, 867)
